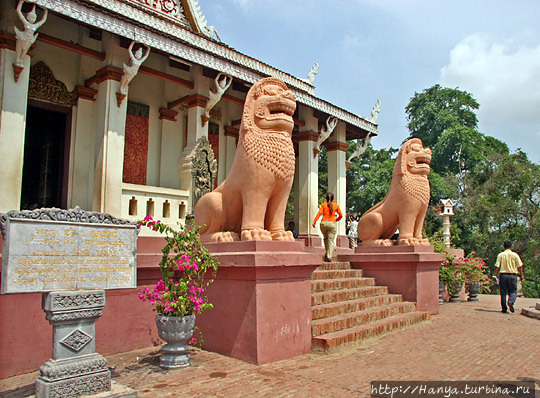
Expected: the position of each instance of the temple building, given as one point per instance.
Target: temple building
(132, 107)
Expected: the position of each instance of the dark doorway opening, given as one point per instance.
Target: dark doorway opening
(44, 182)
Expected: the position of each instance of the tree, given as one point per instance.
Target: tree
(501, 201)
(445, 121)
(438, 109)
(497, 194)
(368, 177)
(323, 173)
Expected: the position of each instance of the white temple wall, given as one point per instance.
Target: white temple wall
(12, 126)
(64, 64)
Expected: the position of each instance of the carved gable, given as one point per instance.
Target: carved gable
(43, 86)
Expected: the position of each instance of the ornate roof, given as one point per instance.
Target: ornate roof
(179, 28)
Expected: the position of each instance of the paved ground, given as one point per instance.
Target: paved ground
(466, 341)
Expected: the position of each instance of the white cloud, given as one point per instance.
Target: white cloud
(504, 77)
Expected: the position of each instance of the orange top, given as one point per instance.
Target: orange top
(325, 211)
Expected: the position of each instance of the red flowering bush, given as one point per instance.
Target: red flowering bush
(469, 269)
(184, 264)
(452, 269)
(476, 270)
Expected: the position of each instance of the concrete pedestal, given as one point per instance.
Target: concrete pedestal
(412, 271)
(262, 301)
(75, 369)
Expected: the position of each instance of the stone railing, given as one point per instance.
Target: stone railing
(165, 204)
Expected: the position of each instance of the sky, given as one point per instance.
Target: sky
(390, 49)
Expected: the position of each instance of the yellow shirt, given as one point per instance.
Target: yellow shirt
(508, 262)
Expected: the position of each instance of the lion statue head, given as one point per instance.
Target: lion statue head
(269, 106)
(267, 124)
(413, 159)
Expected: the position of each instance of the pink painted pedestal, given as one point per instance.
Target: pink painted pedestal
(262, 301)
(412, 271)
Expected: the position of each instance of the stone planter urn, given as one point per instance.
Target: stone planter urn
(473, 288)
(442, 286)
(175, 330)
(455, 288)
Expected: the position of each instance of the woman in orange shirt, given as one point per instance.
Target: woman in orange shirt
(328, 223)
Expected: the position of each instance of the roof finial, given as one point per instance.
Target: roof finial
(198, 20)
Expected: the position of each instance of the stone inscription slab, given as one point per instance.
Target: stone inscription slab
(42, 256)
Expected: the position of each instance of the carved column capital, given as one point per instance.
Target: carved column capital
(108, 72)
(336, 146)
(308, 135)
(231, 131)
(86, 93)
(196, 100)
(167, 114)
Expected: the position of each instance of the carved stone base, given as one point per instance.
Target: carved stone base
(17, 69)
(175, 356)
(120, 98)
(204, 120)
(73, 377)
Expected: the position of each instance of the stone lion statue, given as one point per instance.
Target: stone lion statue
(250, 203)
(405, 204)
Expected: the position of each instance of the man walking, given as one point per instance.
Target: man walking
(509, 264)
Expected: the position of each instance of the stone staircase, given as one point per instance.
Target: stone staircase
(348, 308)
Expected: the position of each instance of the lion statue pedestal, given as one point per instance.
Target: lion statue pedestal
(412, 271)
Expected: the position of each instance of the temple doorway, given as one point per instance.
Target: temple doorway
(45, 166)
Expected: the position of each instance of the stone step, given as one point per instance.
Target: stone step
(532, 312)
(339, 284)
(347, 321)
(333, 296)
(334, 265)
(345, 307)
(335, 274)
(330, 342)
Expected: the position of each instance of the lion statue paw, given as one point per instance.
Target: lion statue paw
(378, 242)
(256, 234)
(407, 241)
(226, 236)
(282, 235)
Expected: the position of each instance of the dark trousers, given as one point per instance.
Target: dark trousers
(508, 285)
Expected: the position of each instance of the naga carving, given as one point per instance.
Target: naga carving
(405, 204)
(250, 204)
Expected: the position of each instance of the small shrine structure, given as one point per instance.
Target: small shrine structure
(445, 209)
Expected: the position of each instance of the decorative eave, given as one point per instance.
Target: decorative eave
(125, 19)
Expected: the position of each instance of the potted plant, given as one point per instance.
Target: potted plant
(452, 272)
(187, 268)
(476, 277)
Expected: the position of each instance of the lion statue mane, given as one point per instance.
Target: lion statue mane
(405, 204)
(250, 203)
